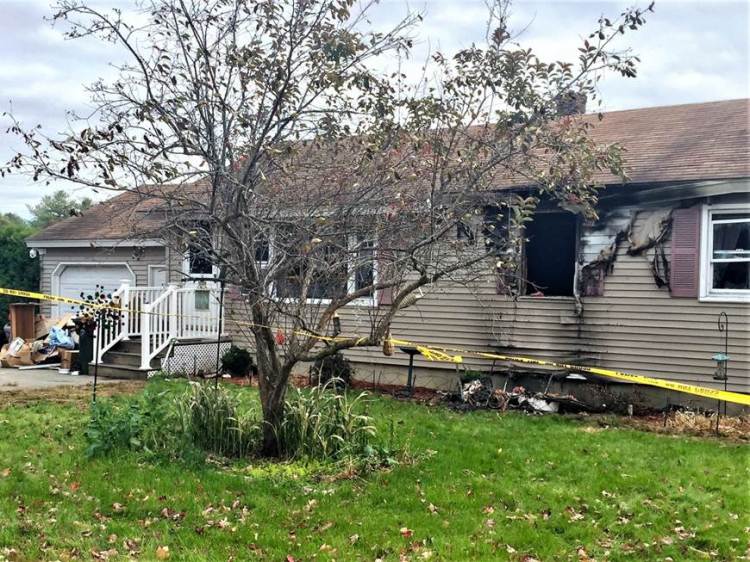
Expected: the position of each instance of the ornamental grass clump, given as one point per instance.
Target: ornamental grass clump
(322, 424)
(212, 420)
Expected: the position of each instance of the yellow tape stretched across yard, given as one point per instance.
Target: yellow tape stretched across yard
(735, 397)
(434, 353)
(43, 297)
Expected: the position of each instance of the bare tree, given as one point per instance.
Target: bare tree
(311, 179)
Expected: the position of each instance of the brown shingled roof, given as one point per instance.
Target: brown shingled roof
(701, 141)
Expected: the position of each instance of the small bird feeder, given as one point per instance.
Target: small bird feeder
(720, 374)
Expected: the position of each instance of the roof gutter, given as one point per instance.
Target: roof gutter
(106, 243)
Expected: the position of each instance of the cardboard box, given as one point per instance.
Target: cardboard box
(68, 358)
(20, 358)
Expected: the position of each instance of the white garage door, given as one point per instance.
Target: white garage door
(77, 279)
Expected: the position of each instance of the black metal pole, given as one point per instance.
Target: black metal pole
(98, 339)
(409, 379)
(723, 324)
(218, 335)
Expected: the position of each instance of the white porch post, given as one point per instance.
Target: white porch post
(125, 307)
(174, 320)
(146, 337)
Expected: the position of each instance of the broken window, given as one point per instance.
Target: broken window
(727, 252)
(550, 254)
(543, 262)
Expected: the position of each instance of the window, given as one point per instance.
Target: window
(550, 254)
(725, 254)
(339, 267)
(202, 299)
(198, 258)
(547, 262)
(362, 264)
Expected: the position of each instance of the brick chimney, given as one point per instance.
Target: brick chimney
(571, 103)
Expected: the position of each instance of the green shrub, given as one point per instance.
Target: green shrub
(321, 424)
(336, 368)
(236, 361)
(147, 423)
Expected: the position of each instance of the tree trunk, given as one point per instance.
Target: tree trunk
(272, 380)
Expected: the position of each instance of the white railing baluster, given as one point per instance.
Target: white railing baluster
(145, 336)
(125, 309)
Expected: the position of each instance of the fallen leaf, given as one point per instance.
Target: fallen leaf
(162, 552)
(118, 507)
(488, 509)
(353, 539)
(432, 508)
(5, 472)
(573, 514)
(406, 532)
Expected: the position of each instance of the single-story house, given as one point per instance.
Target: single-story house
(640, 290)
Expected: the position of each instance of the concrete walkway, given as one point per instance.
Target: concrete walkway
(16, 379)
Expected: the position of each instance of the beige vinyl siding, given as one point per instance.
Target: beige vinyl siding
(138, 262)
(634, 327)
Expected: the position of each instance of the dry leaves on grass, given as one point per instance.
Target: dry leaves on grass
(693, 423)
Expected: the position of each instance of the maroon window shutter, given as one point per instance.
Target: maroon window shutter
(385, 297)
(686, 228)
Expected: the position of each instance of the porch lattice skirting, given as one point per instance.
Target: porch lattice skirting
(193, 358)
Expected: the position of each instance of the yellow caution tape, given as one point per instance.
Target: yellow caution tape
(433, 353)
(716, 394)
(43, 297)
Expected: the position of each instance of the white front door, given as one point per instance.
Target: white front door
(158, 276)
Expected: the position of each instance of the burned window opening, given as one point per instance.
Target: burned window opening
(541, 261)
(550, 254)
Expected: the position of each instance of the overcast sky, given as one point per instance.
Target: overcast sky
(691, 51)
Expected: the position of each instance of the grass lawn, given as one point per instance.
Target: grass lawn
(487, 486)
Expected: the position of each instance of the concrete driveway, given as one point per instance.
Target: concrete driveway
(16, 379)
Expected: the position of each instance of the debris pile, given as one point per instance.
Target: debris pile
(481, 394)
(52, 345)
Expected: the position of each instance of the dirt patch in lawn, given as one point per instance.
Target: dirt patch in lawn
(80, 395)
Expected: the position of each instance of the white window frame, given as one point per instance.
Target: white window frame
(197, 276)
(707, 292)
(351, 280)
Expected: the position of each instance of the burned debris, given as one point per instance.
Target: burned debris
(477, 393)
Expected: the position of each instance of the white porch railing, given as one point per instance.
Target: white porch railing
(112, 331)
(158, 316)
